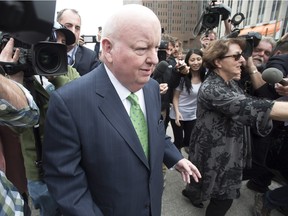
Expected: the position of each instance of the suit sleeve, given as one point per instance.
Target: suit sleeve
(94, 62)
(64, 175)
(171, 154)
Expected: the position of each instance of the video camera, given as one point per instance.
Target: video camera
(212, 15)
(162, 55)
(31, 25)
(252, 39)
(43, 58)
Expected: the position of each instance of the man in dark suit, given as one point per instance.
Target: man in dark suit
(79, 57)
(93, 159)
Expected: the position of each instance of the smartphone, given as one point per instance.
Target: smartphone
(89, 38)
(100, 28)
(181, 67)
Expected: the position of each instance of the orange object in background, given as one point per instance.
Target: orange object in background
(266, 30)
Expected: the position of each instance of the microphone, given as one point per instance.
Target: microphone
(273, 75)
(160, 70)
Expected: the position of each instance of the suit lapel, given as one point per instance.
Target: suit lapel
(117, 114)
(152, 117)
(78, 56)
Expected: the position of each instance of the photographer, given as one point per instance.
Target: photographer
(169, 73)
(206, 38)
(18, 110)
(210, 20)
(270, 152)
(32, 138)
(98, 42)
(14, 97)
(81, 58)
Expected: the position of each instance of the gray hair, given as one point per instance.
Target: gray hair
(269, 40)
(60, 13)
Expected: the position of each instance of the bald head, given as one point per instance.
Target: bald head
(130, 16)
(130, 42)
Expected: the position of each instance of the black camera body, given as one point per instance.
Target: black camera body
(30, 24)
(252, 40)
(212, 14)
(163, 45)
(162, 55)
(27, 21)
(43, 58)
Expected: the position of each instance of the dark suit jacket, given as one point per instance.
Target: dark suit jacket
(85, 60)
(280, 62)
(93, 159)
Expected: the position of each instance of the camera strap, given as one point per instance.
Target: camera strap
(29, 83)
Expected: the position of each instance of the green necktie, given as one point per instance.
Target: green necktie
(139, 122)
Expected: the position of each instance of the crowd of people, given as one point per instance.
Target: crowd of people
(95, 142)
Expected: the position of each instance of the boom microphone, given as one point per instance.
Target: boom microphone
(273, 75)
(160, 71)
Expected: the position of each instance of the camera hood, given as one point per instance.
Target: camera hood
(28, 21)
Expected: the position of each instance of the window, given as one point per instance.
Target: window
(262, 5)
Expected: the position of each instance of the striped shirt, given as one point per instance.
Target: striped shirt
(11, 202)
(25, 117)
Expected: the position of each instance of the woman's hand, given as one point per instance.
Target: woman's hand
(178, 118)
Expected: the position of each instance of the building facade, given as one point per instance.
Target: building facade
(268, 17)
(183, 18)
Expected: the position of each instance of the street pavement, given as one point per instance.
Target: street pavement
(175, 204)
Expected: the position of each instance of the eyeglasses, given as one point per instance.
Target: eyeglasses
(236, 56)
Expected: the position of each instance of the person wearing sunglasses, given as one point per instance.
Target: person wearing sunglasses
(217, 145)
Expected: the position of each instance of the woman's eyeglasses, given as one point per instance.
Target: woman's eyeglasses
(236, 56)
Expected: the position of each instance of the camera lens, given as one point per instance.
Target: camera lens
(48, 59)
(210, 20)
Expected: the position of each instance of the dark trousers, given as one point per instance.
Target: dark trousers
(218, 207)
(166, 119)
(277, 197)
(182, 134)
(259, 174)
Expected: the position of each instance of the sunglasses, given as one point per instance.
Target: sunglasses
(236, 56)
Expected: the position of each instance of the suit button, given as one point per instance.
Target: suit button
(147, 206)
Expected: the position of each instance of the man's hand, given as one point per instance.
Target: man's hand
(284, 37)
(280, 89)
(8, 54)
(187, 169)
(182, 67)
(81, 41)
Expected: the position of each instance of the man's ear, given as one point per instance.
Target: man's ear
(107, 47)
(278, 52)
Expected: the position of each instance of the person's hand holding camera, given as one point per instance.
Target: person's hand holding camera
(8, 54)
(11, 55)
(99, 34)
(81, 41)
(182, 67)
